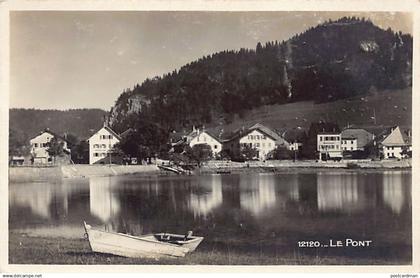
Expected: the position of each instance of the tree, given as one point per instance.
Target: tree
(16, 144)
(224, 155)
(55, 148)
(80, 153)
(144, 140)
(72, 140)
(248, 152)
(199, 153)
(281, 152)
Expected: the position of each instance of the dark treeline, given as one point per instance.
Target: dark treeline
(334, 60)
(76, 123)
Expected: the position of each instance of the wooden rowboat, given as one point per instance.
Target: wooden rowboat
(148, 246)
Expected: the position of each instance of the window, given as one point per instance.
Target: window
(215, 147)
(103, 146)
(36, 145)
(257, 145)
(95, 154)
(257, 137)
(320, 138)
(262, 136)
(110, 136)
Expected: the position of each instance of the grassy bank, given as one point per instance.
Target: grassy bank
(25, 249)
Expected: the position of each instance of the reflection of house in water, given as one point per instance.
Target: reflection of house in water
(393, 190)
(102, 202)
(202, 204)
(293, 187)
(37, 198)
(257, 193)
(339, 192)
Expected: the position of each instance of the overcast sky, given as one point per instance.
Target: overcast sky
(62, 60)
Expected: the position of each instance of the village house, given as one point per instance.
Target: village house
(198, 136)
(195, 137)
(39, 148)
(329, 146)
(355, 142)
(101, 145)
(356, 139)
(394, 144)
(258, 136)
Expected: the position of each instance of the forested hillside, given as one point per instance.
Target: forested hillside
(81, 123)
(335, 60)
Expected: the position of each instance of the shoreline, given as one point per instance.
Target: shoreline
(29, 249)
(42, 174)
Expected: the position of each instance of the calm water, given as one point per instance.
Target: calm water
(255, 212)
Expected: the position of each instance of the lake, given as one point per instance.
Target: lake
(265, 213)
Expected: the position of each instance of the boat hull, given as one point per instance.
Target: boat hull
(131, 246)
(191, 243)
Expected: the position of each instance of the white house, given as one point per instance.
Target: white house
(329, 146)
(394, 144)
(39, 146)
(204, 137)
(356, 139)
(258, 136)
(348, 143)
(101, 144)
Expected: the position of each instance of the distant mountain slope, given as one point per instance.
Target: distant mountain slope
(26, 123)
(389, 107)
(336, 60)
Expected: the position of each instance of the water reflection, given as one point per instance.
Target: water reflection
(202, 204)
(393, 191)
(103, 203)
(257, 193)
(339, 192)
(37, 197)
(139, 205)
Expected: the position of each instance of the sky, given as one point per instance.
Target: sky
(85, 59)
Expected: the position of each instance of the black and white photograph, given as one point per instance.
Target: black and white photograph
(210, 137)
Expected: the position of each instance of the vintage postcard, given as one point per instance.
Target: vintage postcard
(152, 134)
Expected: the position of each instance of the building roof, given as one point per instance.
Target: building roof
(395, 138)
(332, 132)
(47, 130)
(363, 136)
(107, 128)
(127, 131)
(262, 128)
(197, 132)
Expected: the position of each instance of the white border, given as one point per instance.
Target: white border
(411, 6)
